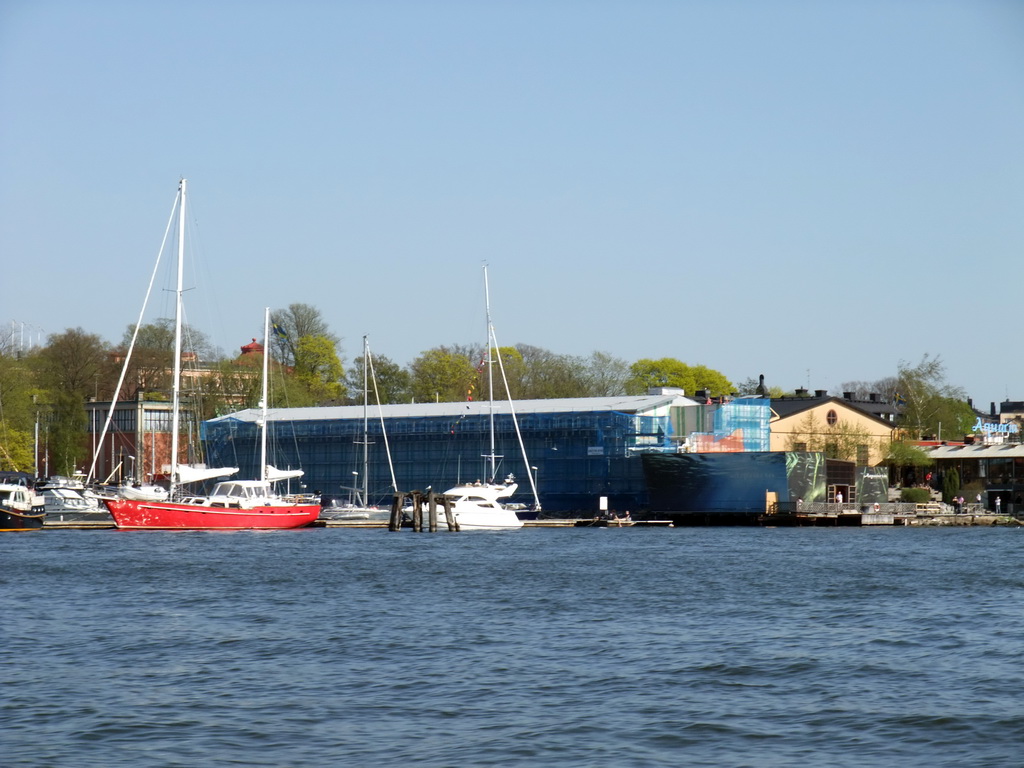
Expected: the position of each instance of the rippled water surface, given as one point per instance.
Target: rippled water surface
(561, 647)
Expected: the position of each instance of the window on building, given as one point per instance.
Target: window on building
(863, 455)
(831, 418)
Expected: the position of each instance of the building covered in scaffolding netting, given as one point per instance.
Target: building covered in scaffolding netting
(577, 450)
(739, 426)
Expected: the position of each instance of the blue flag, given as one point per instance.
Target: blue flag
(279, 331)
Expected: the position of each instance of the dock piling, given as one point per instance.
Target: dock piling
(432, 501)
(432, 511)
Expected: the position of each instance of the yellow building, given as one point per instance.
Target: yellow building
(843, 428)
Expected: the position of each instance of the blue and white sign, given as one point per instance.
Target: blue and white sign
(998, 429)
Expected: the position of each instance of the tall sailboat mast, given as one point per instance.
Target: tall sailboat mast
(176, 385)
(263, 395)
(490, 375)
(492, 343)
(366, 421)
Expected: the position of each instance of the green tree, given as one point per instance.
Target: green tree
(549, 375)
(713, 381)
(151, 365)
(605, 376)
(17, 413)
(666, 372)
(954, 418)
(510, 376)
(902, 454)
(232, 385)
(950, 485)
(389, 381)
(16, 448)
(925, 399)
(71, 367)
(74, 361)
(317, 366)
(65, 433)
(442, 374)
(670, 372)
(293, 324)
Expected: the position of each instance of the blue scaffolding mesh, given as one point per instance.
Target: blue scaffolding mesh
(740, 425)
(576, 457)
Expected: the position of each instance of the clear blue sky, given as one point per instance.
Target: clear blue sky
(814, 191)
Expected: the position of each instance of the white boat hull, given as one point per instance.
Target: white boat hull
(487, 520)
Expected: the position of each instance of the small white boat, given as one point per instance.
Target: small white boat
(476, 506)
(70, 507)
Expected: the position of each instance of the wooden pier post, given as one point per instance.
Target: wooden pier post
(432, 511)
(449, 515)
(395, 521)
(417, 511)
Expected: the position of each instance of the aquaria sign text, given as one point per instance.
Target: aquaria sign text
(990, 428)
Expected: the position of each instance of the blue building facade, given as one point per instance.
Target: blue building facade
(577, 450)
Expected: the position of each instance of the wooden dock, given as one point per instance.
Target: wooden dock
(327, 523)
(568, 522)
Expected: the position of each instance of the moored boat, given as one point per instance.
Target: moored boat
(358, 507)
(335, 510)
(21, 508)
(68, 506)
(477, 506)
(234, 504)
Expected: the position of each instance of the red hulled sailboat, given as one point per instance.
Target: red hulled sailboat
(233, 504)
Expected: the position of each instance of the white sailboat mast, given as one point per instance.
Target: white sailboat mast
(492, 343)
(263, 396)
(490, 373)
(368, 362)
(176, 385)
(366, 420)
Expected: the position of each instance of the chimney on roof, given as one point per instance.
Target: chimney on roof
(873, 397)
(801, 392)
(993, 409)
(847, 395)
(820, 392)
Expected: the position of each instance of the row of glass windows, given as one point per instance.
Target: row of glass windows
(123, 420)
